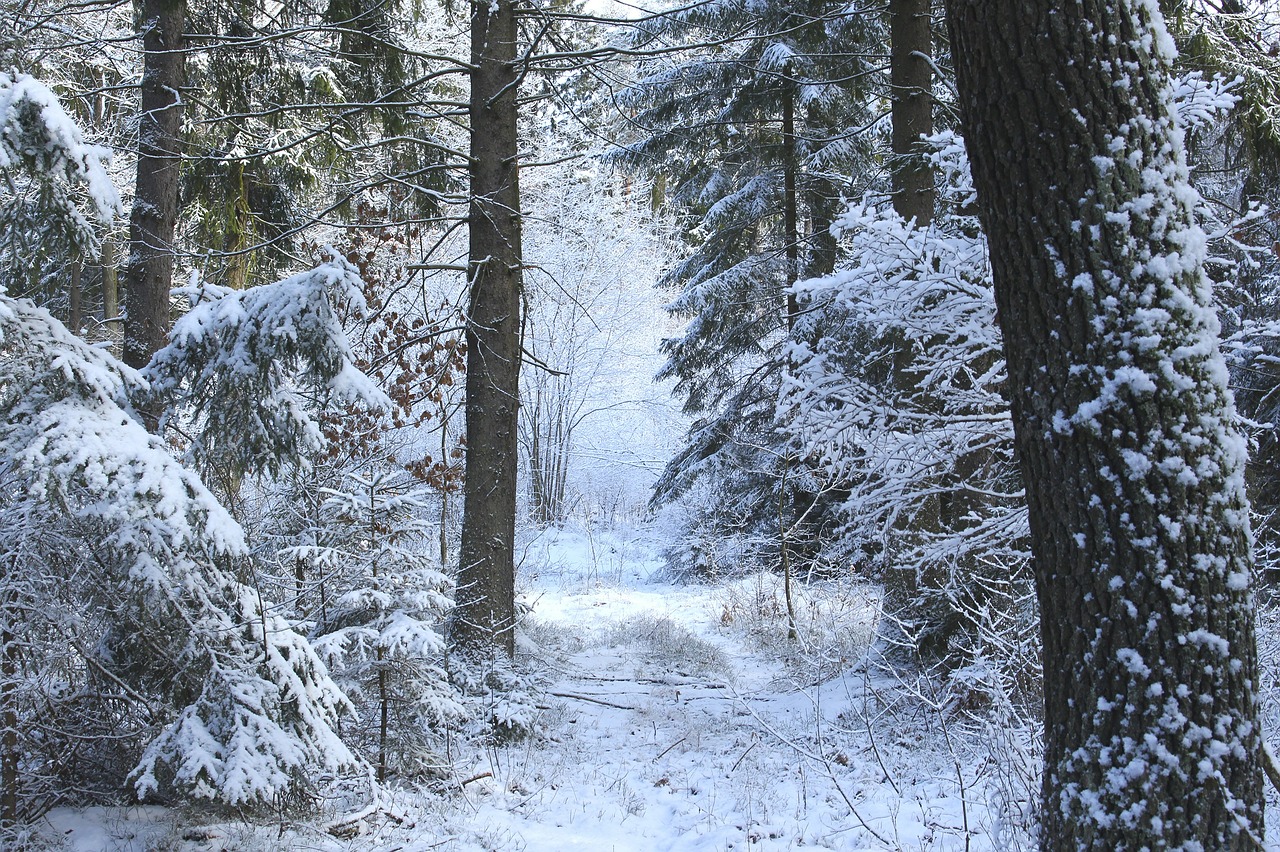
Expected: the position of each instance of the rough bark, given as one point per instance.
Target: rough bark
(911, 108)
(1124, 426)
(149, 270)
(485, 616)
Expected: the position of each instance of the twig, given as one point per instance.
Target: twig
(744, 756)
(668, 748)
(476, 778)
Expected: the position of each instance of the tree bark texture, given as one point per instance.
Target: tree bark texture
(149, 270)
(1124, 425)
(911, 107)
(485, 616)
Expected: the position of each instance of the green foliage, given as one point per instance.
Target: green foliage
(711, 128)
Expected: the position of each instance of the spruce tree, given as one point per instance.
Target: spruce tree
(750, 136)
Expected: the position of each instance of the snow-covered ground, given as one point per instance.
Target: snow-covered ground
(675, 718)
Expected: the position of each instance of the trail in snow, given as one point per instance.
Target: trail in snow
(677, 717)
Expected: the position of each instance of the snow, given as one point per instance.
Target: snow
(677, 718)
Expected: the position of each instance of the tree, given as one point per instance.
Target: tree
(1123, 425)
(750, 136)
(484, 619)
(149, 272)
(379, 635)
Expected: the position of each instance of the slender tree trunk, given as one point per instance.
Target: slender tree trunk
(110, 287)
(791, 227)
(76, 315)
(1124, 426)
(790, 203)
(444, 489)
(484, 620)
(911, 79)
(10, 777)
(149, 271)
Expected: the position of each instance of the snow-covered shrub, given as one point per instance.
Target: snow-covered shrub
(502, 698)
(233, 704)
(381, 635)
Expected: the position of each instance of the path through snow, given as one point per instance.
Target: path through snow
(676, 718)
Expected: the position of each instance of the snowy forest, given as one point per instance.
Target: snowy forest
(584, 425)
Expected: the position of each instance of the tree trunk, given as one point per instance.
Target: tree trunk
(149, 271)
(485, 616)
(911, 597)
(75, 315)
(911, 110)
(10, 774)
(1124, 426)
(110, 288)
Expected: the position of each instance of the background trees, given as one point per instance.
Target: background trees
(752, 137)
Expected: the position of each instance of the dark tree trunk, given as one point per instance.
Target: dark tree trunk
(10, 759)
(485, 616)
(911, 79)
(75, 316)
(790, 202)
(149, 270)
(1123, 425)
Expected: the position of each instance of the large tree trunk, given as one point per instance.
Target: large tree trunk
(485, 615)
(149, 271)
(1123, 423)
(911, 108)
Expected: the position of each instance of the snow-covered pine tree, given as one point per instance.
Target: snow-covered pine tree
(351, 532)
(382, 636)
(899, 451)
(898, 441)
(164, 662)
(231, 703)
(751, 137)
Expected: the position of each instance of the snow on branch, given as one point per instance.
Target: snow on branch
(252, 367)
(42, 144)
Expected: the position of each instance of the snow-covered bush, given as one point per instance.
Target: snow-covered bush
(232, 703)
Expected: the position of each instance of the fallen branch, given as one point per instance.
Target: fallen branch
(592, 700)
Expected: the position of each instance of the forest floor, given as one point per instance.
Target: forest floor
(675, 717)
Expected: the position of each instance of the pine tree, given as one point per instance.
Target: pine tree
(750, 137)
